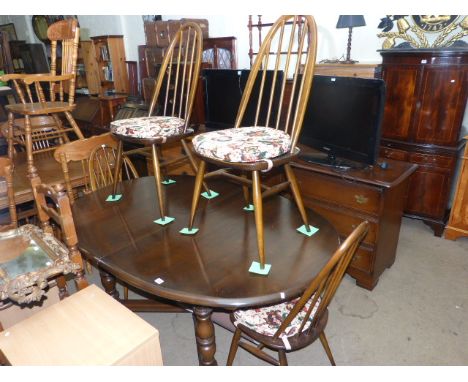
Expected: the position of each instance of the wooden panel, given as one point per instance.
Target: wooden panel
(400, 104)
(92, 75)
(347, 194)
(363, 259)
(119, 67)
(394, 153)
(346, 70)
(442, 105)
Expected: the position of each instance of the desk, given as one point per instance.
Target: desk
(48, 169)
(208, 270)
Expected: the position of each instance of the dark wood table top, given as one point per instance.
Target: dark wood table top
(210, 268)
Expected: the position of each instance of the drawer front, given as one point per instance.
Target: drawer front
(432, 160)
(344, 223)
(363, 259)
(394, 154)
(340, 192)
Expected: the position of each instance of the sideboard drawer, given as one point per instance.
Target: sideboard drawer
(344, 223)
(432, 160)
(393, 153)
(340, 192)
(363, 259)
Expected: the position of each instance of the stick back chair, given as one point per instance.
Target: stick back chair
(268, 122)
(37, 101)
(97, 155)
(173, 95)
(295, 324)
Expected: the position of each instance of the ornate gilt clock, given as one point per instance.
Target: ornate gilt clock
(424, 31)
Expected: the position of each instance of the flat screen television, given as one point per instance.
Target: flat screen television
(342, 120)
(223, 89)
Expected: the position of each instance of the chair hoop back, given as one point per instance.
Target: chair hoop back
(287, 54)
(324, 286)
(179, 74)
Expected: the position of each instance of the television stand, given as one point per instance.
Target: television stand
(347, 198)
(331, 161)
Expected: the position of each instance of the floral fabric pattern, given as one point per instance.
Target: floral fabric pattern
(245, 144)
(268, 319)
(148, 127)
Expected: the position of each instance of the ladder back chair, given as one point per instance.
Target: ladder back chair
(268, 122)
(97, 155)
(173, 97)
(295, 324)
(37, 100)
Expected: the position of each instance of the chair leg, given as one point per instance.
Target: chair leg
(11, 126)
(283, 361)
(62, 287)
(258, 211)
(32, 171)
(157, 177)
(74, 125)
(234, 347)
(118, 165)
(324, 342)
(245, 190)
(296, 194)
(192, 162)
(196, 191)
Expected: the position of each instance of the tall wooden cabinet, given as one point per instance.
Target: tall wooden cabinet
(104, 60)
(458, 222)
(426, 98)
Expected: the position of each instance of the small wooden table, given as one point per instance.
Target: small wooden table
(210, 269)
(108, 106)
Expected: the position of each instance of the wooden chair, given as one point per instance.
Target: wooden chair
(272, 114)
(174, 94)
(35, 101)
(6, 171)
(295, 324)
(97, 155)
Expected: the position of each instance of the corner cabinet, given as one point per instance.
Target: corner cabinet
(105, 64)
(458, 222)
(426, 98)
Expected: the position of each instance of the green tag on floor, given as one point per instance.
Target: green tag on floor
(114, 198)
(250, 207)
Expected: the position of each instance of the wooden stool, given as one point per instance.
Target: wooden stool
(87, 328)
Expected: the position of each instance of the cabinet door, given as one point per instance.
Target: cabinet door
(443, 97)
(91, 66)
(400, 104)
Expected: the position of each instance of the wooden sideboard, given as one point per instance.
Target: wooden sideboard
(458, 222)
(426, 97)
(347, 198)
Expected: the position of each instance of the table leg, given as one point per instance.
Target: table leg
(108, 282)
(205, 336)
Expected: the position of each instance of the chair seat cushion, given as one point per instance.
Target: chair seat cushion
(148, 127)
(245, 144)
(266, 320)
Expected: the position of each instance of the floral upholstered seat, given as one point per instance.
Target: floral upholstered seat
(245, 144)
(148, 127)
(267, 320)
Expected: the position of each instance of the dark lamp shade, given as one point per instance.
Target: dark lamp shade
(350, 21)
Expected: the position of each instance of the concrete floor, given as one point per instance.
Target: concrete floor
(416, 315)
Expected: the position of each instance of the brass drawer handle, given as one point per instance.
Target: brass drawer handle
(361, 199)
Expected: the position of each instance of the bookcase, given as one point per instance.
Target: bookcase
(104, 61)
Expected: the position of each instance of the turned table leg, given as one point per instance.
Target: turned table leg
(108, 282)
(205, 336)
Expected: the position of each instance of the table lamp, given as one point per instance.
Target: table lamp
(350, 21)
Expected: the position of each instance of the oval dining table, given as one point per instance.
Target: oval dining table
(206, 271)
